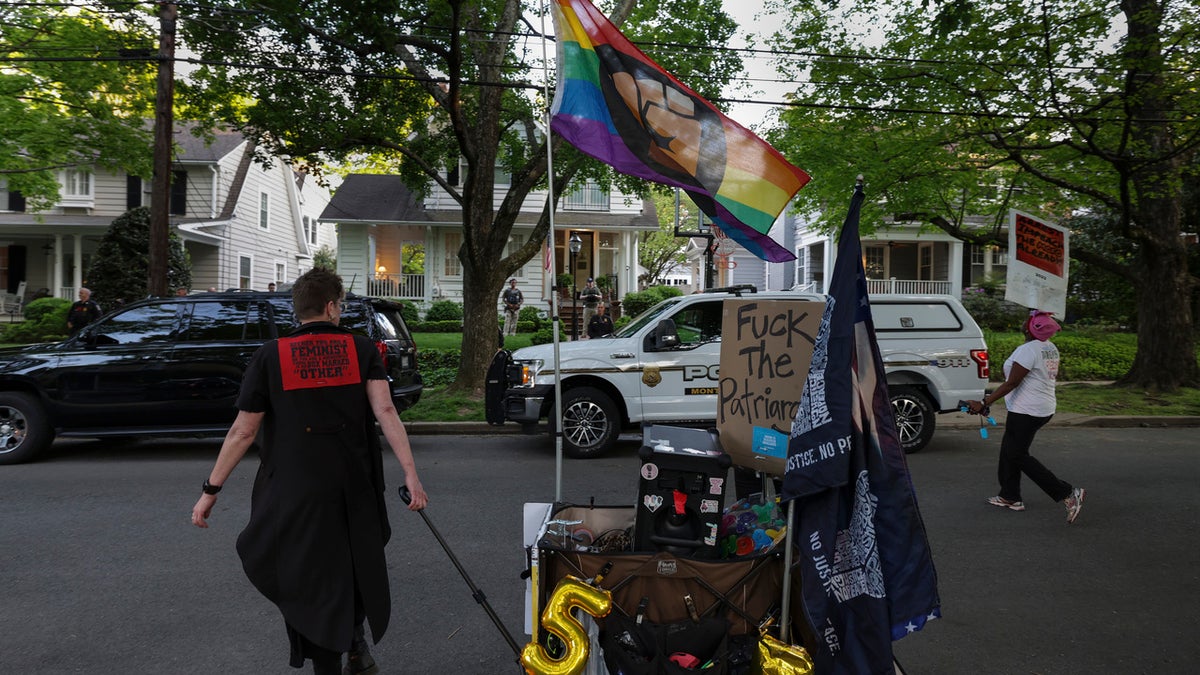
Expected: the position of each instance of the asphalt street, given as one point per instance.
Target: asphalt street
(101, 572)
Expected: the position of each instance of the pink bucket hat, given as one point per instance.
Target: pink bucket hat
(1041, 325)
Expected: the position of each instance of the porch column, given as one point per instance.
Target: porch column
(956, 267)
(827, 263)
(630, 254)
(56, 280)
(77, 276)
(430, 279)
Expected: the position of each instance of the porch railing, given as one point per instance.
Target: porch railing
(911, 286)
(407, 286)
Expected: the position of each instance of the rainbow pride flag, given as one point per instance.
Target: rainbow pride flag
(616, 105)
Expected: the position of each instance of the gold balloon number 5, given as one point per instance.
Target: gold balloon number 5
(569, 594)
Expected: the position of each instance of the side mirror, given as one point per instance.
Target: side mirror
(665, 336)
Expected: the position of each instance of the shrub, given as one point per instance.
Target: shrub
(664, 292)
(637, 302)
(120, 265)
(622, 322)
(45, 321)
(444, 310)
(439, 366)
(529, 315)
(991, 311)
(436, 327)
(1084, 355)
(543, 336)
(408, 311)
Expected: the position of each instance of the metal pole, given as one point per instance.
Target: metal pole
(786, 613)
(574, 304)
(554, 308)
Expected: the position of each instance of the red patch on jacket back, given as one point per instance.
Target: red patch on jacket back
(310, 361)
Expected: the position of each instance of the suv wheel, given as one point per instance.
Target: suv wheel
(589, 423)
(914, 417)
(23, 428)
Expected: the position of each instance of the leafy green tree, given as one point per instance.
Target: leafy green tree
(413, 87)
(120, 267)
(325, 258)
(76, 85)
(660, 251)
(955, 108)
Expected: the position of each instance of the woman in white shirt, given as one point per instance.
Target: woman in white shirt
(1028, 391)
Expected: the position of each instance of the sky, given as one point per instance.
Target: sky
(758, 67)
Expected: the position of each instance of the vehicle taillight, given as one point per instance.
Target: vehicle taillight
(980, 357)
(382, 347)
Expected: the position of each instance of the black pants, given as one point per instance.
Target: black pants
(1019, 430)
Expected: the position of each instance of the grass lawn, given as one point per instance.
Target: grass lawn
(454, 340)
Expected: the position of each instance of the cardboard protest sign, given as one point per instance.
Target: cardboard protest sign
(1037, 263)
(766, 347)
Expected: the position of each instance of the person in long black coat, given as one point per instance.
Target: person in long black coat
(318, 523)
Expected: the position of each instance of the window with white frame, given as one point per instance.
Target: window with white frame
(515, 242)
(451, 267)
(874, 262)
(264, 210)
(281, 272)
(77, 186)
(245, 265)
(999, 255)
(977, 254)
(310, 230)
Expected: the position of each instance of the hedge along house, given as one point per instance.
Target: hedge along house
(393, 244)
(243, 224)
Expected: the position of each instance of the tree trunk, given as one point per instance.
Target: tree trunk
(481, 327)
(1166, 354)
(1166, 345)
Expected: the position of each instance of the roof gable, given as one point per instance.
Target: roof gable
(375, 198)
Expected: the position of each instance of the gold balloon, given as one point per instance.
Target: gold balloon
(569, 594)
(779, 658)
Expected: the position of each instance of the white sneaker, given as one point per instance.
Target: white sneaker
(1074, 504)
(1005, 503)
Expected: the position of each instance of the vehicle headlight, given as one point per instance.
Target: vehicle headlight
(524, 373)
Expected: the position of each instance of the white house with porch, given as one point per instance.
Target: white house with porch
(383, 231)
(898, 258)
(243, 224)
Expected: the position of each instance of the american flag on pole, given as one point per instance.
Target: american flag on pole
(865, 567)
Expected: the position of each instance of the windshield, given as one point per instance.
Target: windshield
(649, 316)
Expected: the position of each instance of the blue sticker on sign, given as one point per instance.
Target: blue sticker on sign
(769, 442)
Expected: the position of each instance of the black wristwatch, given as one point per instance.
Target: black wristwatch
(209, 488)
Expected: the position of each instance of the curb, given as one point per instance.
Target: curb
(950, 421)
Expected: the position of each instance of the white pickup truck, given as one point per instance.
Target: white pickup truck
(655, 371)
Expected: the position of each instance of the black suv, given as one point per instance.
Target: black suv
(168, 366)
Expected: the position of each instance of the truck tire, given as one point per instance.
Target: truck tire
(914, 417)
(24, 431)
(590, 423)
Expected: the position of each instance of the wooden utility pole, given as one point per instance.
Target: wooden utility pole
(160, 198)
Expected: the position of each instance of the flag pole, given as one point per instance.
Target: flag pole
(785, 615)
(554, 308)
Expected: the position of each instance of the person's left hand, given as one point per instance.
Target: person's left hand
(419, 498)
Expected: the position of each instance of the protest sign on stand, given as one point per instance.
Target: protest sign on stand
(766, 347)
